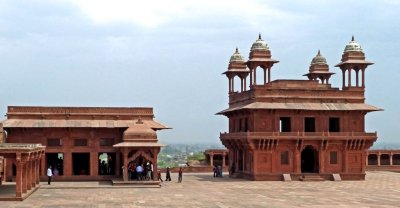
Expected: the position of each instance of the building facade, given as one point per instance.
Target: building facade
(84, 143)
(297, 127)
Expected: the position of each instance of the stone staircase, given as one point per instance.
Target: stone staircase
(311, 177)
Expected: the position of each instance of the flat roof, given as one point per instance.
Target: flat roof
(305, 106)
(66, 123)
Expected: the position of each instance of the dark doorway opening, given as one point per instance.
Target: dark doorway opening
(106, 163)
(81, 163)
(396, 159)
(56, 161)
(309, 124)
(309, 160)
(385, 160)
(372, 159)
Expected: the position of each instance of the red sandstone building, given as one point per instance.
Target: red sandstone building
(84, 143)
(297, 127)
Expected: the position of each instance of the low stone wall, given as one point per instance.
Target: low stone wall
(383, 168)
(194, 169)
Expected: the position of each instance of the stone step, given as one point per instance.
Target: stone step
(311, 178)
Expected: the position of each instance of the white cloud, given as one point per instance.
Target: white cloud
(155, 13)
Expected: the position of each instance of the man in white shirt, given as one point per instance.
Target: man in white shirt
(139, 172)
(49, 175)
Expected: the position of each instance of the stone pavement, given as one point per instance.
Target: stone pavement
(380, 189)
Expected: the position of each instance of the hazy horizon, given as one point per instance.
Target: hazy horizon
(169, 55)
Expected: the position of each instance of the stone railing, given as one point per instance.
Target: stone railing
(303, 135)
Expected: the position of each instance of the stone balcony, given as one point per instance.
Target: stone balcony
(300, 135)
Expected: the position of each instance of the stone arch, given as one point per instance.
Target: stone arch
(385, 159)
(140, 153)
(396, 159)
(372, 159)
(309, 159)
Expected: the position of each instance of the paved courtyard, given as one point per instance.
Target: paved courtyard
(380, 189)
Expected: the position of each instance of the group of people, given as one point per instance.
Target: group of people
(141, 172)
(106, 166)
(168, 175)
(137, 172)
(217, 170)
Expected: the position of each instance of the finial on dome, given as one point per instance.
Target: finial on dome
(237, 50)
(259, 36)
(319, 53)
(352, 38)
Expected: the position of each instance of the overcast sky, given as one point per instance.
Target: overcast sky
(170, 54)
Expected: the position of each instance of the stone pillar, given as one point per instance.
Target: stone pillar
(349, 78)
(43, 165)
(33, 171)
(241, 84)
(94, 164)
(379, 159)
(211, 159)
(28, 174)
(357, 77)
(251, 76)
(265, 74)
(269, 74)
(255, 76)
(34, 163)
(24, 177)
(38, 160)
(344, 77)
(230, 84)
(297, 161)
(67, 164)
(391, 159)
(364, 157)
(18, 179)
(233, 84)
(155, 161)
(245, 84)
(362, 77)
(321, 161)
(125, 167)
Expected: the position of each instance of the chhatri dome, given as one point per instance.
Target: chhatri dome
(237, 57)
(259, 45)
(353, 46)
(139, 131)
(318, 59)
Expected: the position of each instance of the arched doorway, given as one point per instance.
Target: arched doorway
(309, 160)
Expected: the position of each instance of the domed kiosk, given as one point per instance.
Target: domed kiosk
(139, 147)
(353, 59)
(319, 69)
(237, 67)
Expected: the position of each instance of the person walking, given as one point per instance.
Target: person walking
(215, 171)
(168, 175)
(49, 175)
(180, 173)
(159, 176)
